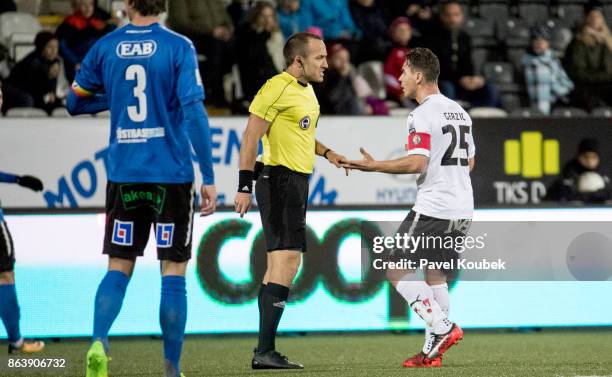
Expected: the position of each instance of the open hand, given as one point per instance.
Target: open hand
(368, 163)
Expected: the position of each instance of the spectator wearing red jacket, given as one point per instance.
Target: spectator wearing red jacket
(401, 35)
(78, 33)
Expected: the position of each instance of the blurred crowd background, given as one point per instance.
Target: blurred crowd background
(498, 57)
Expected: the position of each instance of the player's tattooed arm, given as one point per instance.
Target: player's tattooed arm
(410, 164)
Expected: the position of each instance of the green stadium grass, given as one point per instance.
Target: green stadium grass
(548, 353)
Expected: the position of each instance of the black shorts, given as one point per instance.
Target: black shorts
(7, 251)
(131, 208)
(439, 239)
(282, 198)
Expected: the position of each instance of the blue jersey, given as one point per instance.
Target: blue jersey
(148, 73)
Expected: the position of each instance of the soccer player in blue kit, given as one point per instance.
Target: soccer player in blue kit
(148, 77)
(9, 306)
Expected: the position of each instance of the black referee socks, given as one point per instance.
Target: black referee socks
(273, 298)
(260, 302)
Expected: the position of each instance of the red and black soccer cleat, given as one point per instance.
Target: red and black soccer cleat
(443, 342)
(420, 360)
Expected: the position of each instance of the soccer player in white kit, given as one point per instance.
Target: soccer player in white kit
(440, 148)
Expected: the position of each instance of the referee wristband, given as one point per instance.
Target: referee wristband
(326, 152)
(245, 181)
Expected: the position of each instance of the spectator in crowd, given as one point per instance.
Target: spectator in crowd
(589, 61)
(259, 49)
(239, 9)
(210, 28)
(453, 46)
(37, 74)
(78, 32)
(333, 17)
(401, 36)
(292, 17)
(7, 6)
(14, 97)
(344, 92)
(418, 11)
(370, 19)
(547, 82)
(581, 178)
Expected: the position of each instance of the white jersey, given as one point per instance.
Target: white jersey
(440, 129)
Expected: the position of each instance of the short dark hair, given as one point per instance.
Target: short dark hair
(297, 44)
(424, 60)
(149, 7)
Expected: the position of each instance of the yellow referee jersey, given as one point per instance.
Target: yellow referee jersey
(293, 111)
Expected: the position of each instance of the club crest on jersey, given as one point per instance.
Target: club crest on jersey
(123, 233)
(136, 49)
(164, 234)
(416, 139)
(305, 122)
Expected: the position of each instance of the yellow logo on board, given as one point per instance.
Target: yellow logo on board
(531, 156)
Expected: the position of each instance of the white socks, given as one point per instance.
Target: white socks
(440, 294)
(420, 297)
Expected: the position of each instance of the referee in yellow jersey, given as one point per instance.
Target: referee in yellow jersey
(284, 113)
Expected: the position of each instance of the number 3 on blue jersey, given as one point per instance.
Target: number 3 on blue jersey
(138, 73)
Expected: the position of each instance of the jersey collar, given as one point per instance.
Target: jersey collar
(290, 77)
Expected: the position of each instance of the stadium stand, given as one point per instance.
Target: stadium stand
(499, 31)
(17, 33)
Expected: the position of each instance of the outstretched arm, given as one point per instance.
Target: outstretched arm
(28, 181)
(411, 164)
(8, 178)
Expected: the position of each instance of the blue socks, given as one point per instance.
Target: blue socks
(9, 312)
(109, 299)
(172, 318)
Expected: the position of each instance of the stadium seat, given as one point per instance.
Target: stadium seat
(501, 74)
(29, 6)
(570, 14)
(533, 13)
(515, 32)
(487, 112)
(526, 112)
(26, 112)
(480, 27)
(608, 11)
(604, 112)
(479, 57)
(60, 112)
(495, 12)
(511, 101)
(569, 112)
(18, 29)
(515, 56)
(373, 73)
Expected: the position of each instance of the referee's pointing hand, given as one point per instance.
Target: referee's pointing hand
(243, 202)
